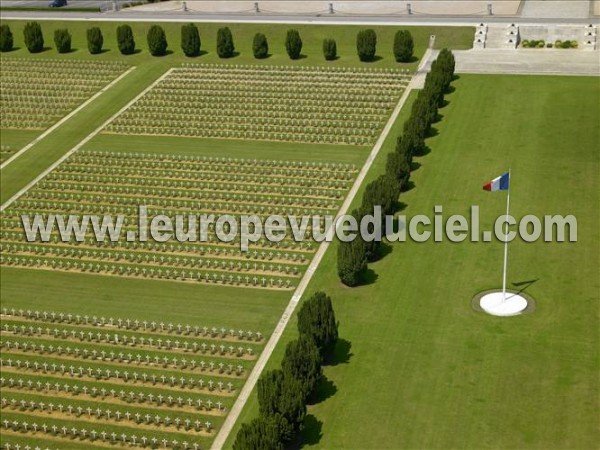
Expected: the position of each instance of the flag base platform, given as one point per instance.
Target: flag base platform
(495, 304)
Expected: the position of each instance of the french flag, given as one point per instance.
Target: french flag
(500, 183)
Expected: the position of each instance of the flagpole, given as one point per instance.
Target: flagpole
(506, 239)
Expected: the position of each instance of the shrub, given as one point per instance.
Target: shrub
(533, 44)
(157, 41)
(190, 40)
(293, 44)
(260, 46)
(125, 40)
(366, 45)
(403, 46)
(225, 47)
(33, 37)
(549, 45)
(329, 49)
(565, 44)
(6, 39)
(62, 40)
(95, 40)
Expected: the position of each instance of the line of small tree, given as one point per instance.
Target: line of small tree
(354, 256)
(283, 393)
(366, 42)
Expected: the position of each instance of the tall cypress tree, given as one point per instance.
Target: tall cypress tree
(95, 40)
(260, 47)
(351, 261)
(125, 40)
(281, 397)
(316, 319)
(190, 40)
(225, 47)
(34, 39)
(302, 361)
(62, 40)
(260, 434)
(293, 44)
(403, 46)
(157, 41)
(6, 39)
(329, 49)
(366, 44)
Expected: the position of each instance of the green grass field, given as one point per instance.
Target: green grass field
(418, 367)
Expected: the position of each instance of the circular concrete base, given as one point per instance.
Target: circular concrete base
(495, 304)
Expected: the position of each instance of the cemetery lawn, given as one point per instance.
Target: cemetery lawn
(416, 366)
(25, 168)
(231, 148)
(253, 309)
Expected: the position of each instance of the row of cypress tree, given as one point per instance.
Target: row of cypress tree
(366, 42)
(353, 256)
(283, 393)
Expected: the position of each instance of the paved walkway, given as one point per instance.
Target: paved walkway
(528, 61)
(556, 8)
(356, 7)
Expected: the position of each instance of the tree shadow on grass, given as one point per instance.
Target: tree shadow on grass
(166, 53)
(383, 250)
(311, 434)
(426, 150)
(374, 59)
(233, 55)
(325, 389)
(408, 186)
(438, 117)
(341, 353)
(368, 277)
(433, 131)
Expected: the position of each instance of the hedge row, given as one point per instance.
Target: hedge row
(283, 393)
(366, 42)
(353, 256)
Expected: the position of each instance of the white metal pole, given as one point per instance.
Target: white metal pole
(506, 239)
